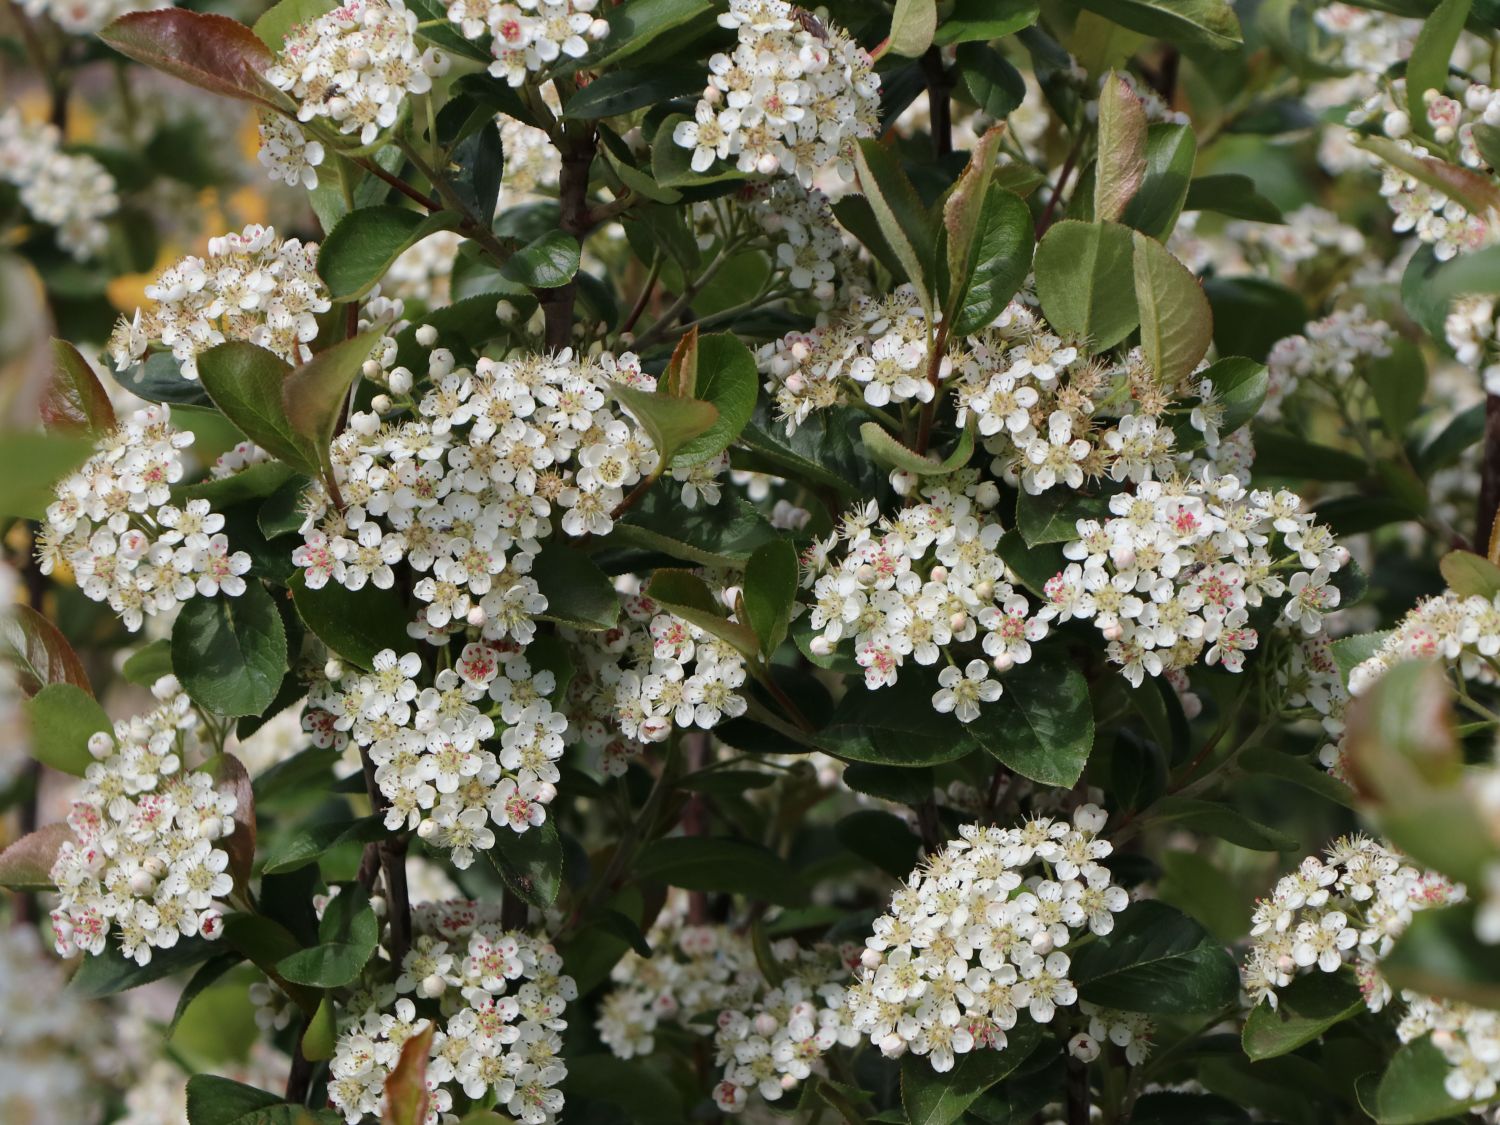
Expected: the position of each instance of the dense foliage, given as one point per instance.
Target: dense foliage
(659, 560)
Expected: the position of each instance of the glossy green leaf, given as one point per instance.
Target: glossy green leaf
(544, 263)
(245, 382)
(315, 393)
(530, 862)
(1240, 387)
(1427, 68)
(685, 594)
(1227, 823)
(913, 24)
(578, 593)
(61, 719)
(880, 838)
(1042, 726)
(896, 726)
(347, 935)
(884, 448)
(727, 380)
(354, 624)
(1411, 1090)
(1176, 322)
(672, 423)
(1304, 1010)
(770, 592)
(364, 243)
(990, 81)
(230, 653)
(1081, 272)
(906, 225)
(1052, 516)
(930, 1098)
(637, 25)
(1156, 960)
(1470, 575)
(1193, 24)
(1155, 207)
(1002, 246)
(277, 21)
(1231, 194)
(111, 972)
(623, 91)
(212, 1100)
(983, 20)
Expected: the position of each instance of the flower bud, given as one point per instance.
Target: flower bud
(1003, 662)
(1041, 942)
(141, 883)
(1083, 1047)
(984, 590)
(598, 29)
(381, 404)
(477, 616)
(371, 369)
(767, 165)
(1112, 631)
(426, 335)
(819, 646)
(101, 744)
(433, 986)
(765, 1024)
(400, 381)
(866, 574)
(333, 669)
(427, 829)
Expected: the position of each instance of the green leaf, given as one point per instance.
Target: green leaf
(215, 53)
(1001, 258)
(913, 24)
(1299, 771)
(255, 482)
(314, 394)
(962, 211)
(1240, 385)
(905, 223)
(1476, 192)
(1121, 165)
(634, 1086)
(1170, 152)
(207, 975)
(26, 865)
(625, 91)
(245, 382)
(671, 422)
(321, 1037)
(884, 448)
(685, 594)
(1231, 194)
(930, 1098)
(74, 401)
(347, 935)
(544, 263)
(727, 380)
(305, 845)
(111, 972)
(277, 21)
(705, 863)
(31, 465)
(1081, 272)
(212, 1100)
(230, 653)
(1398, 381)
(1251, 314)
(1470, 575)
(672, 165)
(1192, 24)
(1176, 322)
(578, 593)
(994, 85)
(1439, 954)
(636, 25)
(1411, 1090)
(896, 726)
(882, 838)
(1427, 68)
(530, 862)
(770, 592)
(354, 624)
(364, 243)
(1052, 516)
(62, 718)
(1156, 960)
(983, 20)
(1042, 726)
(1225, 822)
(1304, 1010)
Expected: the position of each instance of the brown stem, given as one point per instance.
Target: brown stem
(399, 184)
(391, 856)
(644, 298)
(1062, 181)
(299, 1076)
(934, 373)
(1078, 1092)
(1489, 474)
(574, 218)
(940, 109)
(694, 820)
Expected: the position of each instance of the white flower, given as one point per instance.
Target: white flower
(963, 692)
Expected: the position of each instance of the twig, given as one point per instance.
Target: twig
(1489, 472)
(939, 108)
(641, 301)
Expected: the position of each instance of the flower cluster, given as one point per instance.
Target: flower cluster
(355, 66)
(114, 524)
(496, 999)
(647, 676)
(808, 243)
(464, 491)
(1329, 352)
(142, 862)
(976, 937)
(1349, 908)
(793, 96)
(72, 193)
(1180, 564)
(694, 970)
(919, 585)
(1132, 1032)
(771, 1044)
(252, 286)
(528, 36)
(287, 153)
(427, 743)
(1470, 329)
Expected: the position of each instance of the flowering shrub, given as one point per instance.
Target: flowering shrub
(667, 560)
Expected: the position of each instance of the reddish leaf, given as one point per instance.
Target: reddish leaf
(231, 778)
(39, 654)
(406, 1093)
(214, 53)
(27, 864)
(75, 400)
